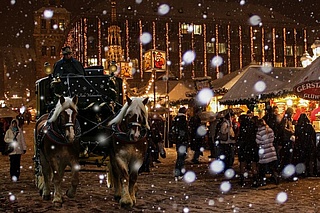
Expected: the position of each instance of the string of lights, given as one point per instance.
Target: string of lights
(240, 47)
(205, 63)
(229, 48)
(284, 47)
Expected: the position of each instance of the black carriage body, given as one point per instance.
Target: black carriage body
(100, 96)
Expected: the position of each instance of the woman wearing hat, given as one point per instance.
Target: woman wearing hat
(67, 65)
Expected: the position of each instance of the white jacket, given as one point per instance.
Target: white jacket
(20, 144)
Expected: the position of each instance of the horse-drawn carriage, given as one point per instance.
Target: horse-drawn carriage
(99, 98)
(82, 120)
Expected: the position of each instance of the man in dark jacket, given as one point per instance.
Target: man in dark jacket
(67, 65)
(180, 133)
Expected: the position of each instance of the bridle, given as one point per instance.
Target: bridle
(57, 134)
(122, 132)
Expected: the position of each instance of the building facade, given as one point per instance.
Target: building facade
(224, 37)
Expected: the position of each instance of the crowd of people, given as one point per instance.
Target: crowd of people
(264, 146)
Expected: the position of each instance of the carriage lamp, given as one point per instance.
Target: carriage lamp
(47, 68)
(113, 67)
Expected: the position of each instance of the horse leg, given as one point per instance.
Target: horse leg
(132, 186)
(74, 180)
(58, 172)
(125, 200)
(45, 186)
(115, 180)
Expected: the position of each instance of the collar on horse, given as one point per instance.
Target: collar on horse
(55, 135)
(123, 137)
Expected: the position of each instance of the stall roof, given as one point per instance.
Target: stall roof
(179, 92)
(309, 73)
(177, 89)
(244, 85)
(222, 85)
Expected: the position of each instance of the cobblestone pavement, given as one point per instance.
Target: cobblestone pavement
(159, 192)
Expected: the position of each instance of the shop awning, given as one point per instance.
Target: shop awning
(257, 82)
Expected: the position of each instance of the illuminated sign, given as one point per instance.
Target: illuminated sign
(309, 90)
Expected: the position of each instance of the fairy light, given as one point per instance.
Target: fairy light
(295, 47)
(85, 40)
(154, 34)
(284, 47)
(167, 40)
(305, 40)
(180, 50)
(192, 48)
(251, 44)
(127, 38)
(205, 50)
(217, 48)
(229, 49)
(274, 45)
(240, 47)
(262, 45)
(99, 42)
(140, 48)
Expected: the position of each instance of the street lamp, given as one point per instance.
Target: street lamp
(316, 49)
(306, 59)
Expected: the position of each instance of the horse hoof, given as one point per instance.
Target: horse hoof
(57, 204)
(69, 194)
(126, 205)
(40, 192)
(117, 198)
(46, 197)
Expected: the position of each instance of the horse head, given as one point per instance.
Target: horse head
(133, 118)
(64, 117)
(136, 117)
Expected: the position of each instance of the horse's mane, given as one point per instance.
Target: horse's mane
(137, 103)
(68, 103)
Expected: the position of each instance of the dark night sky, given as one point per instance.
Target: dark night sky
(16, 25)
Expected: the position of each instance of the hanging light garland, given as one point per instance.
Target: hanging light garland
(284, 47)
(240, 47)
(205, 62)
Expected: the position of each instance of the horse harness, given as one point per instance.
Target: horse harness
(55, 135)
(122, 137)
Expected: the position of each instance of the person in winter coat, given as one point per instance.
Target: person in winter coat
(304, 151)
(287, 139)
(267, 152)
(180, 134)
(247, 147)
(226, 145)
(213, 134)
(196, 139)
(15, 135)
(273, 121)
(67, 65)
